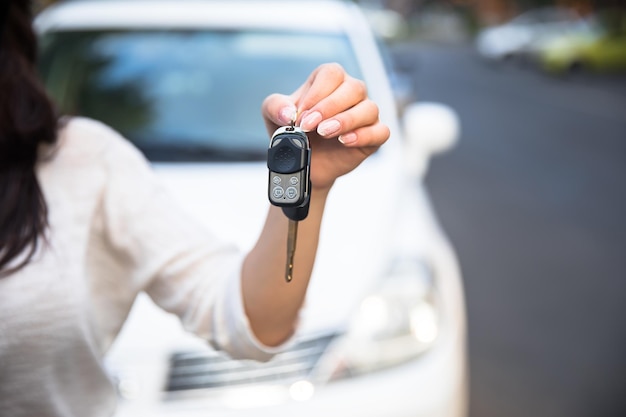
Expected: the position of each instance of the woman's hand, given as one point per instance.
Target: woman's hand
(343, 128)
(342, 123)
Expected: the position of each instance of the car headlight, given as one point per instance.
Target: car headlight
(394, 324)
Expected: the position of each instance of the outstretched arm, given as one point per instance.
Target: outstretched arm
(344, 129)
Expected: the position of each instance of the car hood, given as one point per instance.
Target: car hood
(231, 200)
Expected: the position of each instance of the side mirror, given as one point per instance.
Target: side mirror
(429, 128)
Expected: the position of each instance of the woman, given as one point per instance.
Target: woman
(85, 226)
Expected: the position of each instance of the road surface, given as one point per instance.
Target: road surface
(534, 199)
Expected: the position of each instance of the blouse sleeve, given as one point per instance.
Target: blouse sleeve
(184, 268)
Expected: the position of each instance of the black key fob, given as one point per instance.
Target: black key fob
(289, 161)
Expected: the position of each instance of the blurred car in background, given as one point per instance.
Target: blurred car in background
(600, 46)
(383, 331)
(520, 37)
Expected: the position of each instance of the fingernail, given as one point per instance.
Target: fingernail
(348, 138)
(287, 114)
(329, 127)
(310, 121)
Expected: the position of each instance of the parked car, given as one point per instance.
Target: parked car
(383, 331)
(520, 37)
(598, 47)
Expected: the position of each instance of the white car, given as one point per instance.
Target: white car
(383, 331)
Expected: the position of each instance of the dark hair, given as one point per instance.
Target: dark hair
(27, 119)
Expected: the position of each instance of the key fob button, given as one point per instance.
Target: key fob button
(276, 180)
(277, 192)
(291, 193)
(293, 180)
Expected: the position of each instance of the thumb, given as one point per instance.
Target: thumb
(278, 110)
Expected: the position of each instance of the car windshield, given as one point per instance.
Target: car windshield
(192, 95)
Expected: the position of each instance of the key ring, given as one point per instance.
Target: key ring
(292, 123)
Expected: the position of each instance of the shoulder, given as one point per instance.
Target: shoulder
(84, 125)
(84, 139)
(88, 135)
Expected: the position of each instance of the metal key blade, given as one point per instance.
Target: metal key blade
(292, 235)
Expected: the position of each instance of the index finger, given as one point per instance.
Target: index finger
(320, 84)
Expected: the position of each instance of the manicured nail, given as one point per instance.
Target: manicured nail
(287, 114)
(329, 127)
(310, 121)
(348, 138)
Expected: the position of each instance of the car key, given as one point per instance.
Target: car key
(292, 235)
(289, 160)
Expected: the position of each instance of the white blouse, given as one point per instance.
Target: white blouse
(114, 232)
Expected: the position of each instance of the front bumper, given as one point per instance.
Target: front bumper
(433, 385)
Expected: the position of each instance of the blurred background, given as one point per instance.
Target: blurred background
(534, 196)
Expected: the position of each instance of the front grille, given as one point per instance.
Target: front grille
(204, 370)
